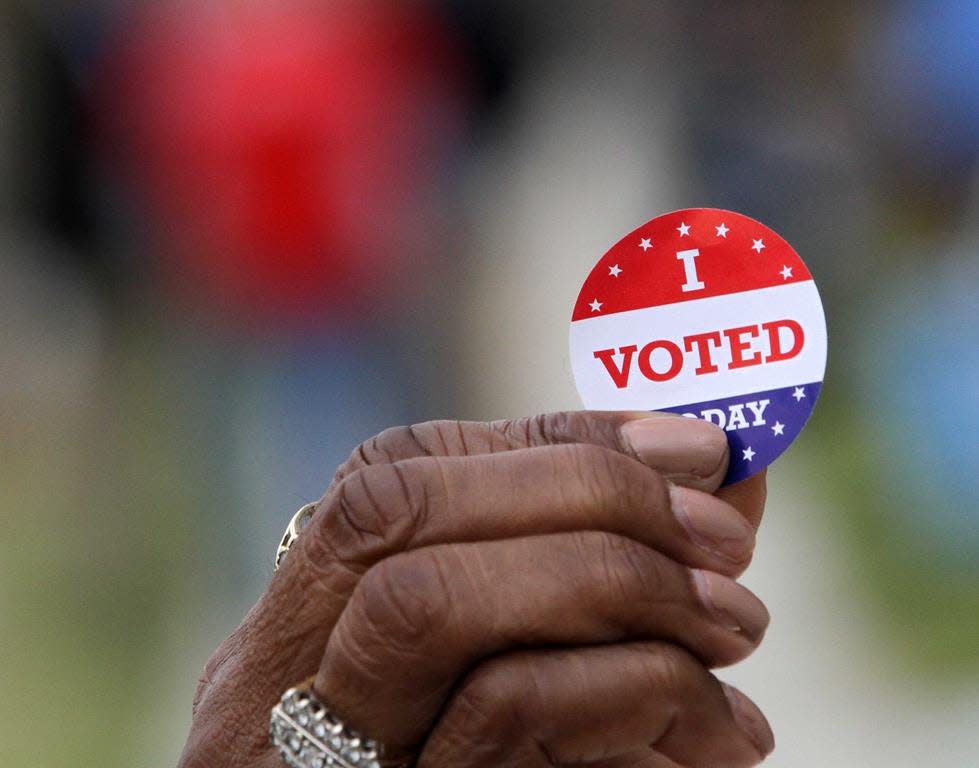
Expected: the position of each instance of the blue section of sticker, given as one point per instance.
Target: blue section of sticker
(759, 426)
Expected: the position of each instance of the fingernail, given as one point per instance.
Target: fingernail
(750, 720)
(712, 524)
(731, 605)
(676, 445)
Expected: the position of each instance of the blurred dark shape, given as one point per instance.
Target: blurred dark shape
(496, 50)
(48, 164)
(289, 154)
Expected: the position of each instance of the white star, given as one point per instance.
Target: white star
(722, 230)
(683, 229)
(758, 246)
(596, 306)
(748, 453)
(779, 428)
(645, 244)
(614, 271)
(786, 272)
(799, 394)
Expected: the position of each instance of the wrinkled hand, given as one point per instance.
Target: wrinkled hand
(532, 593)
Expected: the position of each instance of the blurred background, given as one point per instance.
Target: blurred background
(237, 238)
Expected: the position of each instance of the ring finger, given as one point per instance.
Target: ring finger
(627, 704)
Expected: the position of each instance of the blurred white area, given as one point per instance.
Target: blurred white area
(590, 147)
(830, 685)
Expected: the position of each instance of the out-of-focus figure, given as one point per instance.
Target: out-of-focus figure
(289, 153)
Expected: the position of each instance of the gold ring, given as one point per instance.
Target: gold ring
(296, 525)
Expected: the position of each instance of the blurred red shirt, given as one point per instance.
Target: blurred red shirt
(289, 151)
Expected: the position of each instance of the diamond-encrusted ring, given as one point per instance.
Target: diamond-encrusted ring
(308, 735)
(296, 526)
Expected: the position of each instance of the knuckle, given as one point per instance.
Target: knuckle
(391, 445)
(621, 567)
(367, 502)
(368, 453)
(482, 720)
(227, 657)
(445, 437)
(219, 714)
(379, 509)
(205, 682)
(562, 427)
(403, 601)
(614, 480)
(490, 695)
(542, 429)
(627, 569)
(670, 668)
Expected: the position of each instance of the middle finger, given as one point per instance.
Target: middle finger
(418, 620)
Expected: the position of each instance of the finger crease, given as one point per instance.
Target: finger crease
(545, 752)
(417, 441)
(462, 438)
(350, 519)
(441, 437)
(416, 512)
(668, 729)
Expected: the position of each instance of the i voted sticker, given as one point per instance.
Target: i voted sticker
(708, 314)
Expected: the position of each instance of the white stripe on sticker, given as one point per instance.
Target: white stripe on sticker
(701, 350)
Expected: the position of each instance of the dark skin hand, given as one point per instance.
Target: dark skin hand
(550, 591)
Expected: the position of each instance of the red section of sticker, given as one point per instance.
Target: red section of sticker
(688, 255)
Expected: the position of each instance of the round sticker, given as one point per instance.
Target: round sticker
(711, 315)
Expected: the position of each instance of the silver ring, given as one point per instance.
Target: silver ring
(296, 525)
(308, 735)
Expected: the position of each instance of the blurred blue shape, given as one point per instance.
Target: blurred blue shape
(920, 368)
(927, 70)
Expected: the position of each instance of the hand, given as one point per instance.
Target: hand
(548, 591)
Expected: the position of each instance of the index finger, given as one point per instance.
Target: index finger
(748, 497)
(652, 438)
